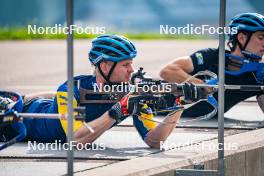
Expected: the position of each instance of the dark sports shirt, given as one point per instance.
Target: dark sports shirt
(207, 59)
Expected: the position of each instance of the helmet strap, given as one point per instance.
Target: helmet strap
(232, 44)
(107, 78)
(242, 48)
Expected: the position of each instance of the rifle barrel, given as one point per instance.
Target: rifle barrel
(47, 116)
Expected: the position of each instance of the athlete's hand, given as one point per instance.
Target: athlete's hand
(192, 93)
(128, 105)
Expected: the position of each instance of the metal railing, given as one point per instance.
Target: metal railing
(221, 88)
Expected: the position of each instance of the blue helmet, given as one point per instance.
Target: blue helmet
(247, 23)
(111, 47)
(250, 22)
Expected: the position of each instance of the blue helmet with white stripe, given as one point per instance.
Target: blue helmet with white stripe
(111, 47)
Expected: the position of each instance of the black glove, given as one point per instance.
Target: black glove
(125, 107)
(129, 105)
(192, 93)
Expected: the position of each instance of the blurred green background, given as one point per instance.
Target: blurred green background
(137, 19)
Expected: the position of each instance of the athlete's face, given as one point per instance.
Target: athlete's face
(122, 71)
(256, 43)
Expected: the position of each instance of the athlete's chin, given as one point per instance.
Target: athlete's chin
(127, 78)
(124, 80)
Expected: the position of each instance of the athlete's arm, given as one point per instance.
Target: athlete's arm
(48, 95)
(179, 70)
(99, 126)
(161, 132)
(92, 130)
(83, 132)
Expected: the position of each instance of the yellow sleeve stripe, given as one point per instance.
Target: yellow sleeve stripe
(62, 109)
(147, 123)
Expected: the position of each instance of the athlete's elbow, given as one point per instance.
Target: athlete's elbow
(85, 139)
(152, 144)
(165, 73)
(168, 73)
(155, 145)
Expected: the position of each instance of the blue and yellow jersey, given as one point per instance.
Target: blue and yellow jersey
(43, 130)
(48, 130)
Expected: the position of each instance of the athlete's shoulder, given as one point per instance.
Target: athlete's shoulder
(86, 81)
(206, 52)
(206, 55)
(83, 80)
(209, 52)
